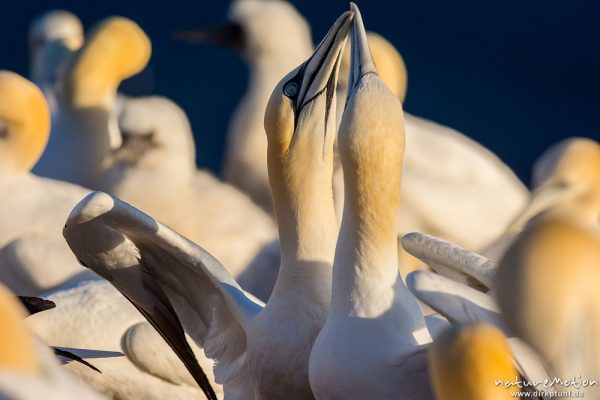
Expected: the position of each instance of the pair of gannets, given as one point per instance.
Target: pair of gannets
(452, 186)
(33, 255)
(28, 369)
(146, 155)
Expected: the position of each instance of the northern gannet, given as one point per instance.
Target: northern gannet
(33, 255)
(273, 38)
(94, 321)
(260, 350)
(28, 369)
(154, 170)
(452, 187)
(467, 361)
(373, 345)
(85, 128)
(547, 279)
(53, 37)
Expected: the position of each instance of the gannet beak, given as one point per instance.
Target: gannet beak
(320, 71)
(361, 58)
(228, 35)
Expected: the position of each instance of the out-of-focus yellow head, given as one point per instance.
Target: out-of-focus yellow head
(24, 123)
(17, 346)
(466, 362)
(116, 49)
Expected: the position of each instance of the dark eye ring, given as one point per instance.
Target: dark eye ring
(290, 89)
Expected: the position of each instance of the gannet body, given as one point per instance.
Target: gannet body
(33, 255)
(374, 321)
(260, 350)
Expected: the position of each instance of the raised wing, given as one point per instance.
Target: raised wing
(175, 284)
(450, 260)
(461, 304)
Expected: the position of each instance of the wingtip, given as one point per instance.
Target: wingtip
(92, 206)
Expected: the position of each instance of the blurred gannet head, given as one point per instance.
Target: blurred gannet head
(371, 140)
(55, 26)
(465, 363)
(24, 123)
(117, 48)
(300, 125)
(566, 178)
(260, 29)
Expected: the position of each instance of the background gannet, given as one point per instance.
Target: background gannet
(93, 321)
(28, 369)
(154, 170)
(53, 37)
(33, 255)
(273, 38)
(547, 278)
(372, 345)
(250, 342)
(85, 130)
(467, 361)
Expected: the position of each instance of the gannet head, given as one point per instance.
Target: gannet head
(300, 126)
(24, 122)
(17, 346)
(371, 139)
(117, 49)
(466, 362)
(55, 26)
(567, 174)
(260, 29)
(390, 67)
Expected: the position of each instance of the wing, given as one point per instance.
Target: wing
(461, 304)
(450, 260)
(175, 284)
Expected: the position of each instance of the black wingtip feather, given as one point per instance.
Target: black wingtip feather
(35, 305)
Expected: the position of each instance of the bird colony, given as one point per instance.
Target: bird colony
(351, 251)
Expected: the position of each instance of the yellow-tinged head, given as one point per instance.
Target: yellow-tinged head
(17, 346)
(466, 362)
(390, 65)
(300, 126)
(547, 289)
(55, 26)
(116, 49)
(24, 123)
(371, 142)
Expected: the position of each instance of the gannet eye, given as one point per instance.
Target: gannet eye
(290, 89)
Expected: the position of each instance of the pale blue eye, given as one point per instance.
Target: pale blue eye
(290, 89)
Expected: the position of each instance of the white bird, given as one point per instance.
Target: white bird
(154, 170)
(95, 322)
(452, 186)
(260, 350)
(153, 166)
(546, 281)
(273, 38)
(28, 369)
(33, 255)
(373, 345)
(53, 37)
(467, 361)
(562, 173)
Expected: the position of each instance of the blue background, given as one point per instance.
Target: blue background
(514, 75)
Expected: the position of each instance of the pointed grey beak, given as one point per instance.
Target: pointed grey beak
(320, 71)
(362, 62)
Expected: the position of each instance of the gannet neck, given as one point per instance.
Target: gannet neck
(465, 362)
(300, 126)
(24, 123)
(17, 347)
(116, 49)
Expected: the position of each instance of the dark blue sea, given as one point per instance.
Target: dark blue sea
(514, 75)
